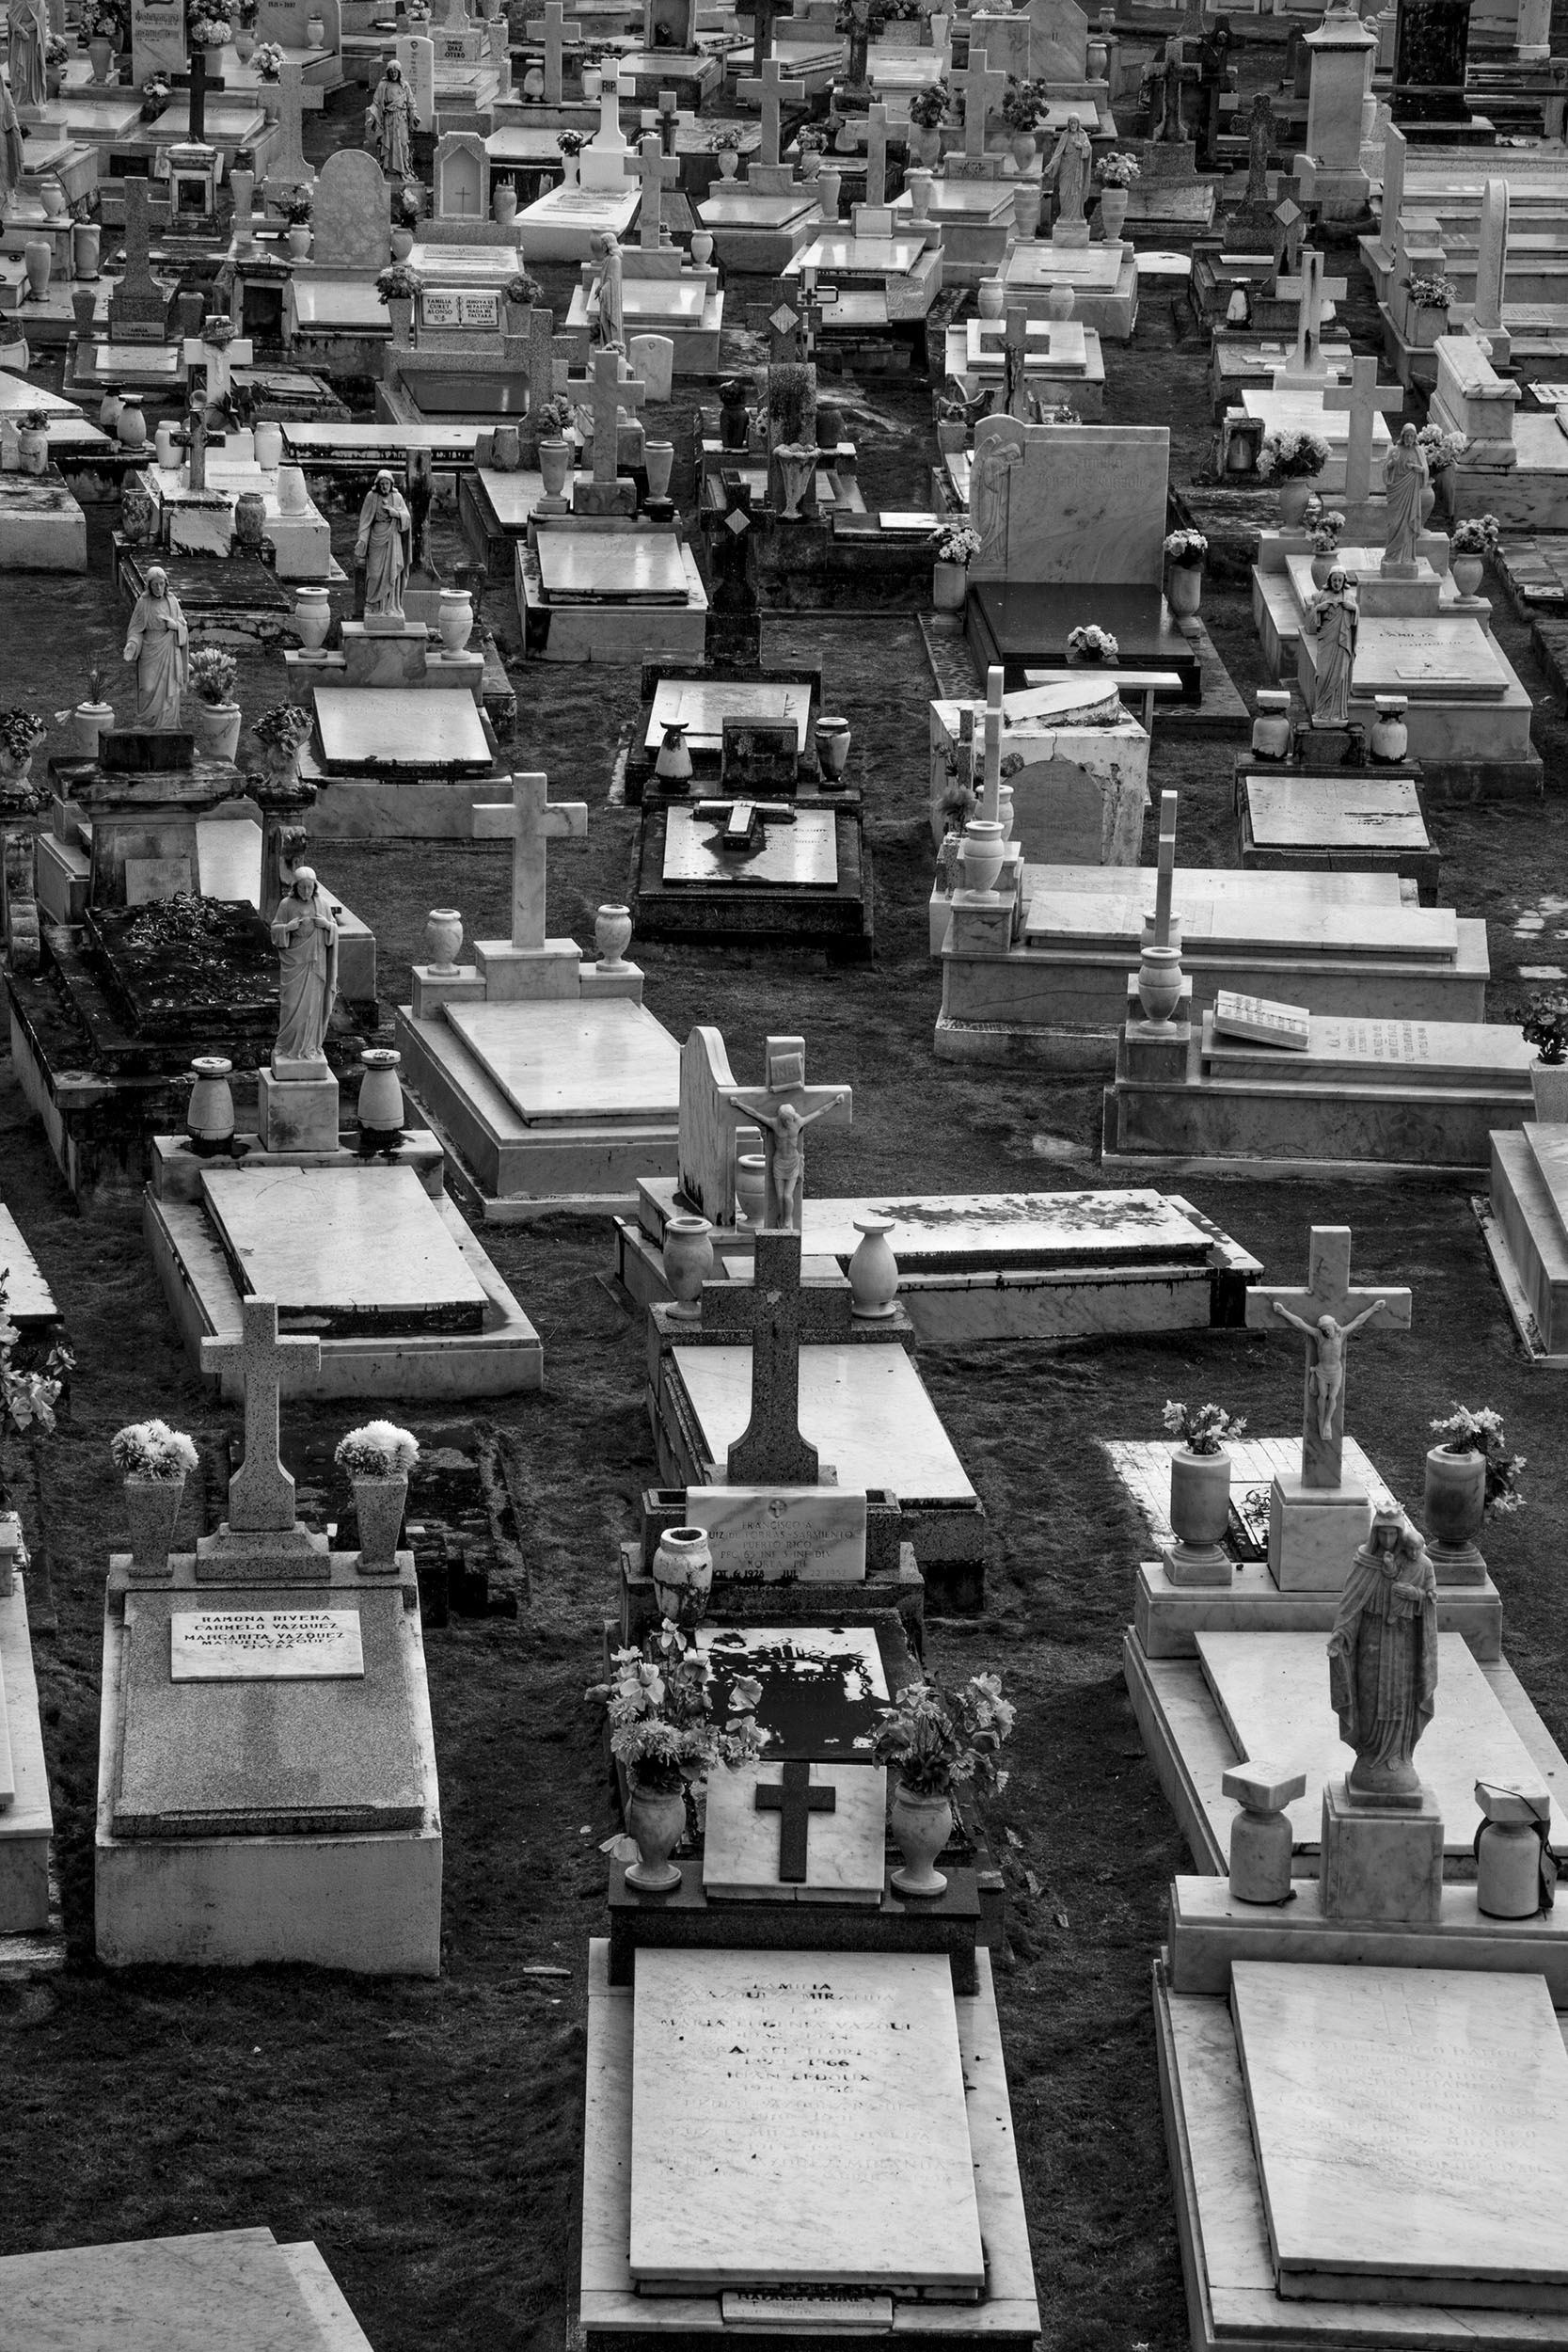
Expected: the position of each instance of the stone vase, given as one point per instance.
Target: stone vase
(1058, 302)
(1199, 1513)
(1426, 323)
(926, 146)
(1322, 566)
(673, 765)
(268, 440)
(88, 722)
(153, 1504)
(683, 1575)
(990, 297)
(831, 738)
(454, 618)
(216, 728)
(271, 96)
(1022, 146)
(612, 937)
(381, 1108)
(293, 496)
(132, 427)
(1113, 214)
(750, 1187)
(1261, 1850)
(829, 182)
(250, 521)
(922, 1827)
(1026, 209)
(443, 937)
(39, 260)
(729, 163)
(1271, 728)
(379, 1504)
(299, 240)
(403, 243)
(164, 443)
(1453, 1506)
(245, 44)
(555, 456)
(32, 448)
(1389, 739)
(210, 1116)
(1467, 571)
(656, 1817)
(874, 1271)
(981, 852)
(796, 463)
(313, 618)
(101, 55)
(52, 197)
(948, 582)
(86, 237)
(1508, 1871)
(658, 458)
(811, 167)
(1161, 980)
(1294, 498)
(1184, 589)
(702, 246)
(687, 1259)
(504, 203)
(919, 183)
(1549, 1084)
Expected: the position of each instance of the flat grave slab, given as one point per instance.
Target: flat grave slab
(346, 305)
(260, 1756)
(1356, 812)
(844, 1844)
(345, 1249)
(211, 2291)
(611, 567)
(1429, 660)
(871, 257)
(801, 852)
(564, 1063)
(736, 208)
(984, 1230)
(676, 298)
(1272, 1692)
(854, 2056)
(701, 706)
(865, 1408)
(1378, 1053)
(1029, 621)
(1403, 2119)
(408, 729)
(821, 1685)
(1278, 914)
(1087, 269)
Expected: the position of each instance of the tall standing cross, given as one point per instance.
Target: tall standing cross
(529, 820)
(770, 90)
(669, 118)
(875, 154)
(1165, 876)
(1289, 220)
(555, 44)
(1328, 1298)
(1311, 289)
(1014, 354)
(657, 172)
(990, 795)
(613, 389)
(770, 1451)
(980, 84)
(1363, 396)
(198, 86)
(783, 1065)
(261, 1493)
(794, 1800)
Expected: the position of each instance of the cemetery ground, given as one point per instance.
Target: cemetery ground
(427, 2135)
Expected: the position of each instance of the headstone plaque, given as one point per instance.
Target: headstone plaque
(1262, 1020)
(822, 1686)
(760, 754)
(455, 308)
(782, 1534)
(780, 1832)
(264, 1645)
(157, 40)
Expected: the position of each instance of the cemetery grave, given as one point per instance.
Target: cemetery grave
(526, 663)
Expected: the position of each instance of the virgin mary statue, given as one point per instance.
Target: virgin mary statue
(306, 937)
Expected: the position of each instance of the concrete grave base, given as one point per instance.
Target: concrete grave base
(1526, 1229)
(42, 529)
(30, 1913)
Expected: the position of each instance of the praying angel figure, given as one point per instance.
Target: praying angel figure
(1326, 1377)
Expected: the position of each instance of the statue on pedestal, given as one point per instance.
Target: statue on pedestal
(29, 30)
(158, 642)
(1405, 478)
(306, 937)
(1333, 617)
(391, 122)
(1067, 172)
(1383, 1660)
(606, 251)
(382, 547)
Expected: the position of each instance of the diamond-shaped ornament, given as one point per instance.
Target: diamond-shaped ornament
(738, 522)
(782, 319)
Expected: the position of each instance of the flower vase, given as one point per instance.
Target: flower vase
(1454, 1508)
(403, 243)
(832, 738)
(443, 937)
(1023, 145)
(873, 1271)
(88, 722)
(32, 449)
(1549, 1086)
(245, 44)
(380, 1107)
(569, 172)
(555, 457)
(153, 1504)
(312, 617)
(990, 297)
(1199, 1515)
(1467, 571)
(612, 937)
(1389, 739)
(1161, 982)
(38, 260)
(830, 183)
(982, 852)
(750, 1187)
(702, 246)
(101, 55)
(1322, 566)
(687, 1260)
(922, 1826)
(1184, 589)
(672, 767)
(216, 728)
(925, 145)
(379, 1504)
(1294, 498)
(133, 425)
(299, 240)
(504, 204)
(656, 1817)
(683, 1575)
(729, 163)
(658, 459)
(454, 619)
(948, 582)
(1112, 214)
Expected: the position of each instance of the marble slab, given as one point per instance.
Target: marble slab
(1056, 342)
(1404, 1053)
(1440, 661)
(1280, 917)
(1081, 505)
(1296, 412)
(1262, 1020)
(611, 567)
(777, 1535)
(264, 1645)
(800, 851)
(846, 1857)
(822, 1686)
(1411, 2131)
(843, 2156)
(865, 1408)
(702, 705)
(873, 257)
(333, 1244)
(407, 730)
(342, 304)
(734, 208)
(1012, 1228)
(211, 2291)
(564, 1063)
(1272, 1692)
(1309, 810)
(1088, 269)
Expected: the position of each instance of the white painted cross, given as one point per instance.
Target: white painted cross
(529, 820)
(1166, 876)
(769, 93)
(876, 154)
(555, 41)
(220, 365)
(657, 172)
(1311, 290)
(990, 792)
(979, 84)
(1363, 397)
(261, 1493)
(613, 388)
(1327, 1298)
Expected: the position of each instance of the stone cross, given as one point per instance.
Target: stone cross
(657, 172)
(770, 1452)
(613, 389)
(990, 795)
(1393, 186)
(980, 85)
(286, 164)
(1363, 397)
(794, 1800)
(769, 93)
(1328, 1297)
(784, 1088)
(762, 14)
(1311, 290)
(1015, 352)
(740, 822)
(136, 273)
(220, 365)
(529, 820)
(1165, 876)
(197, 100)
(875, 154)
(1492, 258)
(668, 120)
(1289, 220)
(555, 42)
(545, 372)
(261, 1493)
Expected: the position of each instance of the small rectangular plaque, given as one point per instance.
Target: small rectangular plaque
(1262, 1020)
(450, 306)
(266, 1646)
(822, 2309)
(776, 1534)
(759, 755)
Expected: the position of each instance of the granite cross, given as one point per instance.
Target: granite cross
(1311, 290)
(1363, 397)
(782, 1107)
(529, 820)
(197, 84)
(657, 172)
(613, 389)
(555, 41)
(261, 1493)
(979, 84)
(762, 14)
(1319, 1313)
(770, 1451)
(1015, 354)
(794, 1800)
(668, 120)
(769, 91)
(875, 154)
(1166, 878)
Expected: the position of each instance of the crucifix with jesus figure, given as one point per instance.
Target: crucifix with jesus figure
(783, 1107)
